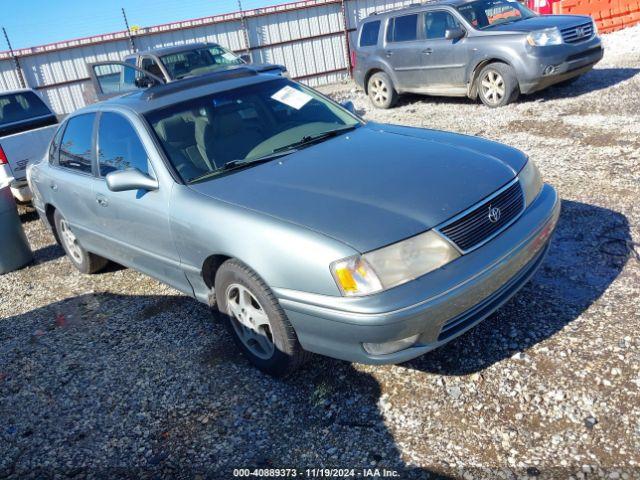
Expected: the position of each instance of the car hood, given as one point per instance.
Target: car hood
(375, 185)
(540, 22)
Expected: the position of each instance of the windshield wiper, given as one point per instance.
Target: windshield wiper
(240, 163)
(311, 139)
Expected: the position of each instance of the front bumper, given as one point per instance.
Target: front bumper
(438, 307)
(566, 61)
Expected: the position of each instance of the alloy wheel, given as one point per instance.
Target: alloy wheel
(493, 87)
(250, 321)
(70, 241)
(379, 91)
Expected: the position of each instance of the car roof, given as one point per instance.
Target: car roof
(417, 7)
(143, 101)
(173, 49)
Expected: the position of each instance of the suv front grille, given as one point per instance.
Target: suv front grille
(577, 34)
(478, 226)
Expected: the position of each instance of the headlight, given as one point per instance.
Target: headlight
(531, 182)
(595, 28)
(548, 36)
(393, 265)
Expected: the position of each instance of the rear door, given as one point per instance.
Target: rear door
(133, 225)
(403, 50)
(70, 187)
(444, 61)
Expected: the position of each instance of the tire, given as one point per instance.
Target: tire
(85, 262)
(497, 85)
(261, 310)
(381, 91)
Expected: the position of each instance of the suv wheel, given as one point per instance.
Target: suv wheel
(256, 321)
(85, 262)
(497, 85)
(381, 91)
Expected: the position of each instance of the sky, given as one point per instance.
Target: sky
(37, 22)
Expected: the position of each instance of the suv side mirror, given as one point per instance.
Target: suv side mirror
(245, 58)
(145, 82)
(133, 179)
(454, 33)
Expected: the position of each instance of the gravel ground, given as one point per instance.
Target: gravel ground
(114, 375)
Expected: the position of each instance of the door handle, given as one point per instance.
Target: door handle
(428, 51)
(101, 200)
(389, 53)
(53, 186)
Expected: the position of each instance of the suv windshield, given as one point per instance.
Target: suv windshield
(206, 136)
(483, 14)
(17, 107)
(199, 61)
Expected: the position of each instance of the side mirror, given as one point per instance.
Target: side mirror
(133, 179)
(454, 33)
(348, 105)
(145, 82)
(246, 58)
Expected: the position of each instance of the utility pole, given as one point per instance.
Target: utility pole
(345, 24)
(126, 24)
(16, 61)
(245, 31)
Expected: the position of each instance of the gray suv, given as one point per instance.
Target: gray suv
(492, 49)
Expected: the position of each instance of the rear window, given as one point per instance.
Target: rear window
(403, 29)
(17, 107)
(369, 34)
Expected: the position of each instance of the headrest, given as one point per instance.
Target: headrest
(228, 123)
(176, 130)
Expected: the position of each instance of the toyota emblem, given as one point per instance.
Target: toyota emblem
(494, 214)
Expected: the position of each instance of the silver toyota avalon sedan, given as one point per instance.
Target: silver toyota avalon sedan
(307, 228)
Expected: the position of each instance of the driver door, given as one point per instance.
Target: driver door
(110, 79)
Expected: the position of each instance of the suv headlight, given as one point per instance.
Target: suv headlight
(548, 36)
(393, 265)
(595, 28)
(531, 182)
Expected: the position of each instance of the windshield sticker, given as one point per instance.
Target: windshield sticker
(292, 97)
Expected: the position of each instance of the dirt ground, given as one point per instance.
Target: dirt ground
(115, 374)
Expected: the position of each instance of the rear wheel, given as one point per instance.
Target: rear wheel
(497, 85)
(381, 91)
(85, 262)
(259, 326)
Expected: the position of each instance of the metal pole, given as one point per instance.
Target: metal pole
(245, 30)
(345, 23)
(131, 41)
(23, 84)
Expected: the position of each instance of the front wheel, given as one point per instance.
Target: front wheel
(259, 326)
(497, 85)
(85, 262)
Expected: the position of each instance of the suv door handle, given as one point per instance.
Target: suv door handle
(102, 200)
(389, 53)
(428, 51)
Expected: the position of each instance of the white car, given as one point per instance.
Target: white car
(26, 127)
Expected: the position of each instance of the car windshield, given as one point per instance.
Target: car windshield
(484, 14)
(199, 61)
(209, 135)
(16, 107)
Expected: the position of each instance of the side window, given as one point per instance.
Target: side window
(119, 147)
(54, 149)
(76, 147)
(151, 66)
(129, 74)
(369, 34)
(437, 23)
(403, 29)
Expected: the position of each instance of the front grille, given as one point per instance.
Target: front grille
(476, 227)
(578, 33)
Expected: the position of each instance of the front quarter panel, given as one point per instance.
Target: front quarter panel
(285, 255)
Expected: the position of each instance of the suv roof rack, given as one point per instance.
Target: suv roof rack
(412, 5)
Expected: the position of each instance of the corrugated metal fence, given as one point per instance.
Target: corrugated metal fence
(309, 37)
